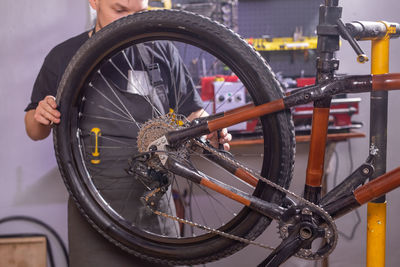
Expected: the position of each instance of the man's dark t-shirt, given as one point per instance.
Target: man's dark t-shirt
(53, 68)
(87, 247)
(164, 53)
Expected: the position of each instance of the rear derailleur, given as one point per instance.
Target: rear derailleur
(149, 171)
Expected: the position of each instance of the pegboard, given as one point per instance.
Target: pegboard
(279, 18)
(269, 18)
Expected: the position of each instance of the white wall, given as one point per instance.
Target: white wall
(29, 180)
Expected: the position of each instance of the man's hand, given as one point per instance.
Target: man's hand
(46, 112)
(38, 121)
(224, 138)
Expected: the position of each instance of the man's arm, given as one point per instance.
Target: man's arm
(38, 121)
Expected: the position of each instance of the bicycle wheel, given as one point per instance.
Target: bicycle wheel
(109, 117)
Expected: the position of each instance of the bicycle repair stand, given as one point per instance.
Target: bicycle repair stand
(328, 34)
(379, 33)
(376, 214)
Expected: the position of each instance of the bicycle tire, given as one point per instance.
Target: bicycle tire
(260, 82)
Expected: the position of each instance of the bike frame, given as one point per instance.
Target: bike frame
(320, 94)
(349, 84)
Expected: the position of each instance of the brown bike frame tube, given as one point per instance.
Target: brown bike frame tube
(224, 113)
(225, 192)
(192, 175)
(239, 109)
(206, 127)
(386, 82)
(378, 186)
(315, 166)
(242, 174)
(246, 114)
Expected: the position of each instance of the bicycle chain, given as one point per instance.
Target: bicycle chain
(303, 253)
(211, 230)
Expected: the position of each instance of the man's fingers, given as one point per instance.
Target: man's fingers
(53, 112)
(212, 135)
(224, 132)
(225, 138)
(41, 119)
(51, 100)
(48, 118)
(46, 112)
(227, 146)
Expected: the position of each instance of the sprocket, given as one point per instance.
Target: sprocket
(156, 128)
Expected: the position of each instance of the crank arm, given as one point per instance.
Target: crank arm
(268, 209)
(363, 194)
(289, 247)
(354, 180)
(357, 178)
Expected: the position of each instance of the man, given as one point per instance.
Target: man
(86, 246)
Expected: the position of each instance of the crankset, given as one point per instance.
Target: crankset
(306, 233)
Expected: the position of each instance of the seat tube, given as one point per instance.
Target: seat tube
(327, 64)
(376, 211)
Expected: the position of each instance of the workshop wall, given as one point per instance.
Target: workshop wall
(30, 182)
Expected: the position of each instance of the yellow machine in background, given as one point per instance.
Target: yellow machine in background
(160, 4)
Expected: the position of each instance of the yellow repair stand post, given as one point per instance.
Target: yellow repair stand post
(376, 215)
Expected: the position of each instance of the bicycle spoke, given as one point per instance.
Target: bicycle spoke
(138, 82)
(126, 112)
(108, 119)
(118, 98)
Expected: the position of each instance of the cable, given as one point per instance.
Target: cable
(350, 155)
(47, 227)
(353, 231)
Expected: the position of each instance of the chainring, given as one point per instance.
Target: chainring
(327, 243)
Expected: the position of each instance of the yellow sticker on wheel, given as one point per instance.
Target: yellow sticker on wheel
(95, 134)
